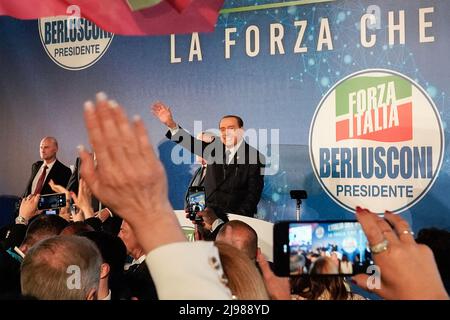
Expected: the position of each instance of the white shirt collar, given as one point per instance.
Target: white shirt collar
(234, 149)
(138, 261)
(49, 166)
(39, 172)
(108, 297)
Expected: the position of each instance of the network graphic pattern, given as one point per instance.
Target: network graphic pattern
(325, 68)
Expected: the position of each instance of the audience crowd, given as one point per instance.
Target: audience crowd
(78, 255)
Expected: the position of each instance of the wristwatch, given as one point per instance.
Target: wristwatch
(21, 220)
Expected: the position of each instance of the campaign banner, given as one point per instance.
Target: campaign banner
(348, 100)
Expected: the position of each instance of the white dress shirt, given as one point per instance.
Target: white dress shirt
(215, 224)
(108, 297)
(233, 150)
(38, 174)
(138, 261)
(135, 261)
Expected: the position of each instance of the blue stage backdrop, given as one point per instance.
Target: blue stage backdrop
(351, 97)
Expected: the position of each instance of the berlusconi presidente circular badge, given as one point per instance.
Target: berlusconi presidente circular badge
(73, 44)
(376, 140)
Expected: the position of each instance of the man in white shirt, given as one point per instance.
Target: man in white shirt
(130, 180)
(137, 276)
(49, 168)
(234, 177)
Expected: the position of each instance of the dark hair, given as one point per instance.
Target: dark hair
(111, 248)
(313, 287)
(114, 253)
(44, 226)
(76, 228)
(439, 242)
(317, 284)
(238, 119)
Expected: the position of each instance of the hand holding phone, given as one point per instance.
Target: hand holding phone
(52, 201)
(320, 248)
(196, 202)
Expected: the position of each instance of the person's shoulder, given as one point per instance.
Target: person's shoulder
(61, 165)
(37, 163)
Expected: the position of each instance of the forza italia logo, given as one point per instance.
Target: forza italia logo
(376, 140)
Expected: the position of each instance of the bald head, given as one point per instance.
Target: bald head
(48, 149)
(241, 236)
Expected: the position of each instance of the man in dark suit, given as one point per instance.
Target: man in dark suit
(47, 169)
(137, 277)
(234, 177)
(110, 225)
(198, 178)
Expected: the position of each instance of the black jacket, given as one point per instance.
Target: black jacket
(59, 173)
(140, 283)
(72, 185)
(235, 187)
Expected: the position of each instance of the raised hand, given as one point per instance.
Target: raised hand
(28, 207)
(83, 200)
(128, 178)
(60, 189)
(278, 288)
(407, 269)
(163, 113)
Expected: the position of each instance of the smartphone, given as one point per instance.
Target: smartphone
(320, 248)
(52, 201)
(196, 202)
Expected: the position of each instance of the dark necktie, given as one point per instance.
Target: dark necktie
(41, 180)
(227, 157)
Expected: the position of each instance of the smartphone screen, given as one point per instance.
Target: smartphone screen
(196, 201)
(52, 201)
(320, 248)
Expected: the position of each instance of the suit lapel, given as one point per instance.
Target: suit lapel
(34, 170)
(197, 179)
(51, 173)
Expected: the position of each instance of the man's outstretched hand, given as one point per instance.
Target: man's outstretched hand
(128, 177)
(163, 113)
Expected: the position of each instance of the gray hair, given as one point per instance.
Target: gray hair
(46, 269)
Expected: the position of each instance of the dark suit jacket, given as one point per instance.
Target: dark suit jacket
(234, 188)
(111, 225)
(140, 283)
(9, 276)
(59, 173)
(196, 181)
(72, 185)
